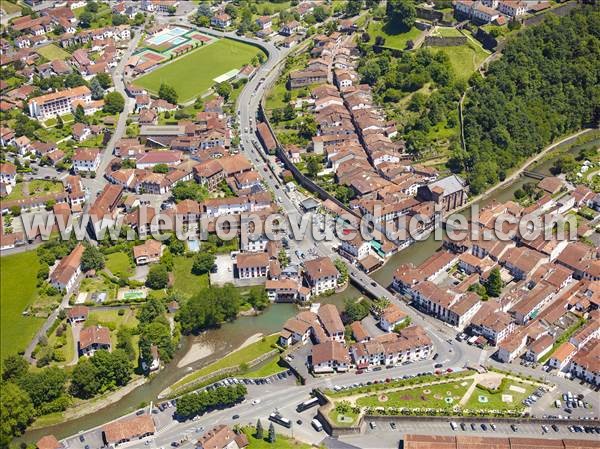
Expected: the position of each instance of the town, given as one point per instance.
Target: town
(160, 158)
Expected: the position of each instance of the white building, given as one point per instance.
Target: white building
(58, 103)
(86, 160)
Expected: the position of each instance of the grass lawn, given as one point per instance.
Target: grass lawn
(119, 263)
(110, 318)
(193, 74)
(17, 291)
(495, 402)
(394, 36)
(52, 52)
(236, 358)
(35, 187)
(9, 7)
(281, 441)
(271, 367)
(343, 419)
(448, 32)
(65, 344)
(464, 59)
(431, 396)
(185, 281)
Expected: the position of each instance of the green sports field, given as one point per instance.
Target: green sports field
(17, 291)
(193, 74)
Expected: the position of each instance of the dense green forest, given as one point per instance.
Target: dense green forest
(546, 84)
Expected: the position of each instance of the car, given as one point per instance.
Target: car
(299, 422)
(81, 438)
(462, 426)
(359, 371)
(449, 370)
(87, 446)
(484, 427)
(437, 365)
(545, 429)
(372, 425)
(571, 429)
(235, 417)
(175, 444)
(493, 426)
(393, 425)
(373, 284)
(265, 169)
(255, 401)
(554, 427)
(514, 427)
(473, 427)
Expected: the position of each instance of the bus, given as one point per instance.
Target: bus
(307, 404)
(278, 419)
(316, 425)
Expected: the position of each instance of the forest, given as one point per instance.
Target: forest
(546, 85)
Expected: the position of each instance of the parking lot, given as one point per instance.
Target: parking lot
(224, 270)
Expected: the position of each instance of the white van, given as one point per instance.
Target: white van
(317, 425)
(557, 403)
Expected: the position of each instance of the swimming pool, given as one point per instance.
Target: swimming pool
(172, 35)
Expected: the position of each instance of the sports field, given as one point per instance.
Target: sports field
(17, 291)
(193, 74)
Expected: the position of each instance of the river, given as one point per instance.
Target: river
(231, 335)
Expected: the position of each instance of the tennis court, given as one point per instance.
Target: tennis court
(171, 35)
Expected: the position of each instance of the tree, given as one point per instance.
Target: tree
(16, 412)
(79, 115)
(85, 380)
(355, 310)
(85, 19)
(92, 259)
(118, 19)
(199, 103)
(224, 90)
(353, 8)
(114, 103)
(494, 283)
(104, 79)
(74, 80)
(204, 10)
(168, 93)
(308, 127)
(189, 190)
(289, 113)
(158, 277)
(171, 10)
(271, 438)
(259, 430)
(320, 14)
(59, 123)
(365, 37)
(160, 168)
(276, 115)
(402, 12)
(313, 166)
(209, 307)
(151, 310)
(96, 88)
(14, 367)
(44, 386)
(203, 262)
(283, 258)
(370, 72)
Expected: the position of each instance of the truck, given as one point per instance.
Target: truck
(316, 425)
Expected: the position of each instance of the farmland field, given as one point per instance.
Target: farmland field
(17, 291)
(193, 74)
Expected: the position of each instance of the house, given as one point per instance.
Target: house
(8, 177)
(390, 317)
(80, 132)
(155, 363)
(539, 348)
(64, 276)
(512, 8)
(94, 338)
(329, 317)
(48, 442)
(495, 325)
(77, 314)
(264, 22)
(355, 249)
(222, 437)
(584, 364)
(449, 192)
(252, 265)
(128, 429)
(289, 28)
(209, 174)
(321, 275)
(562, 356)
(148, 252)
(86, 160)
(221, 20)
(475, 10)
(298, 329)
(359, 333)
(329, 356)
(303, 78)
(58, 103)
(409, 345)
(551, 184)
(582, 259)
